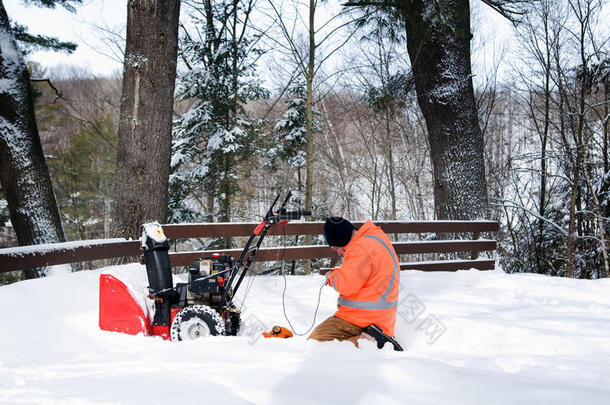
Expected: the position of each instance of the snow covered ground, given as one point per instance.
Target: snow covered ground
(470, 337)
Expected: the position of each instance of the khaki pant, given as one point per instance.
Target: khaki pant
(336, 328)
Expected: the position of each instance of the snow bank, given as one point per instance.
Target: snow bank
(470, 337)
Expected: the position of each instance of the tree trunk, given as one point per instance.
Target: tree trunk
(309, 124)
(23, 170)
(572, 221)
(545, 60)
(438, 42)
(390, 169)
(600, 224)
(145, 126)
(606, 120)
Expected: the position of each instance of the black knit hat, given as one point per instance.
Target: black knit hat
(338, 231)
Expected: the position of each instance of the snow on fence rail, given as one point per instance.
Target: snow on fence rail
(23, 257)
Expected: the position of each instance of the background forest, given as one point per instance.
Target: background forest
(249, 91)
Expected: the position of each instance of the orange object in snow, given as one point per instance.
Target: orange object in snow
(279, 332)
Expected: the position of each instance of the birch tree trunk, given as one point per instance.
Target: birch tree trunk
(145, 126)
(23, 170)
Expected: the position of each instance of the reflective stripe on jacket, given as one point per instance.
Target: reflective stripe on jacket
(368, 281)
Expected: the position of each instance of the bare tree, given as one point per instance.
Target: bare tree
(308, 62)
(541, 33)
(561, 229)
(576, 148)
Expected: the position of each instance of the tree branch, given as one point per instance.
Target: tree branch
(48, 81)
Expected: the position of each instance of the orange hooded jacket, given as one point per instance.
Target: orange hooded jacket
(368, 281)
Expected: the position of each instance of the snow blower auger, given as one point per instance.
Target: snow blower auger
(203, 306)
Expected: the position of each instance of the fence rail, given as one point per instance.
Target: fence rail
(21, 258)
(222, 229)
(12, 259)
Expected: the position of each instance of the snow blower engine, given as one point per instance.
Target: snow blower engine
(200, 307)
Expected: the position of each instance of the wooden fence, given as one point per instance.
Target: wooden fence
(24, 257)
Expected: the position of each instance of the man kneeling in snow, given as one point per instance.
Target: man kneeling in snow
(367, 282)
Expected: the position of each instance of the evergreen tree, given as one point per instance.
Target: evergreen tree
(289, 138)
(30, 42)
(84, 175)
(216, 134)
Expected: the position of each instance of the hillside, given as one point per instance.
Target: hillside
(502, 339)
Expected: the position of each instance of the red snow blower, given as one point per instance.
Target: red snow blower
(200, 307)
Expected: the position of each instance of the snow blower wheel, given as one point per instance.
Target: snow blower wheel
(232, 323)
(195, 322)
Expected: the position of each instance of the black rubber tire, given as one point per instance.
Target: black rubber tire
(233, 324)
(195, 322)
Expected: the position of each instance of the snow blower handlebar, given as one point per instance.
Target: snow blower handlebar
(290, 215)
(272, 218)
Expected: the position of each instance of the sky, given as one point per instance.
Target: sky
(98, 55)
(84, 27)
(100, 52)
